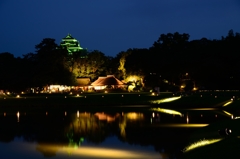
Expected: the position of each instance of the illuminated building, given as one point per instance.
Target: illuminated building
(107, 82)
(72, 45)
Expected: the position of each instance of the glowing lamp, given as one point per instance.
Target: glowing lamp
(224, 132)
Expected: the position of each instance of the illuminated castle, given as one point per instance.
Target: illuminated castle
(71, 44)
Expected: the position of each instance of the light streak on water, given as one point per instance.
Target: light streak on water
(229, 102)
(200, 143)
(168, 111)
(165, 100)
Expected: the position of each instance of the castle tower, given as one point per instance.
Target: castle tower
(71, 44)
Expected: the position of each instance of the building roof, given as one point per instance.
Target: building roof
(83, 81)
(69, 36)
(109, 80)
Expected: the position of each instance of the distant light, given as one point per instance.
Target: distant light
(18, 96)
(77, 95)
(225, 132)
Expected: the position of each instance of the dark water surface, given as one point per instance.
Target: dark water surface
(94, 134)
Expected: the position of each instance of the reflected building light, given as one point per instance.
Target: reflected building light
(46, 97)
(134, 115)
(165, 100)
(187, 119)
(103, 116)
(70, 93)
(18, 96)
(102, 96)
(153, 114)
(65, 97)
(18, 116)
(229, 102)
(216, 115)
(85, 97)
(215, 96)
(201, 115)
(122, 96)
(200, 95)
(168, 111)
(46, 113)
(200, 143)
(96, 152)
(4, 114)
(78, 114)
(65, 113)
(77, 95)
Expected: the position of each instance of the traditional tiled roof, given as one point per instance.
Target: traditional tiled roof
(69, 36)
(109, 80)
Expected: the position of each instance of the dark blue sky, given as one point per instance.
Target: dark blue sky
(112, 26)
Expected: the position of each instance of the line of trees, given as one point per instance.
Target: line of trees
(212, 64)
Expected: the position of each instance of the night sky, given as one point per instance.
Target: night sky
(112, 26)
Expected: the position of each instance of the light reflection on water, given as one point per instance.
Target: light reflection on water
(98, 134)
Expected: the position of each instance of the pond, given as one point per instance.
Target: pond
(149, 133)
